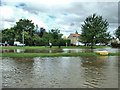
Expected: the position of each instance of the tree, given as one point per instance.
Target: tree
(8, 34)
(94, 30)
(117, 33)
(26, 25)
(56, 33)
(16, 32)
(64, 37)
(53, 36)
(41, 32)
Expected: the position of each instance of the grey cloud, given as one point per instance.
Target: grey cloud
(10, 19)
(119, 12)
(109, 10)
(74, 14)
(36, 8)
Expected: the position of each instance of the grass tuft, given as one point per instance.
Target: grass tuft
(43, 47)
(54, 54)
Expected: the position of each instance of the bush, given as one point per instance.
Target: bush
(114, 44)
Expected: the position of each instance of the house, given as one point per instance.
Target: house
(74, 38)
(114, 40)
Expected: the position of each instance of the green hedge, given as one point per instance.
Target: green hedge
(115, 45)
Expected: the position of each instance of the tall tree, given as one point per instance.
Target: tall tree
(117, 33)
(52, 36)
(94, 30)
(26, 25)
(42, 30)
(16, 32)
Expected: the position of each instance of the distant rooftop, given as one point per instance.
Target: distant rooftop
(75, 34)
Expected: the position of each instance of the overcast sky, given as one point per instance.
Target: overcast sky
(66, 15)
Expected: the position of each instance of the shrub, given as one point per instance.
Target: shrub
(114, 44)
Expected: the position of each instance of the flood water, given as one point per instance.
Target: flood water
(60, 72)
(111, 50)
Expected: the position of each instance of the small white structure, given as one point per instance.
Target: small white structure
(118, 41)
(66, 44)
(17, 43)
(80, 44)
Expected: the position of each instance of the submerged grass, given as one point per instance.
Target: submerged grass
(54, 54)
(114, 54)
(43, 47)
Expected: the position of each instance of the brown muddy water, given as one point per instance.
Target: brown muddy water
(60, 72)
(111, 50)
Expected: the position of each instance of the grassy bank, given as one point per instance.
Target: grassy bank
(43, 47)
(53, 54)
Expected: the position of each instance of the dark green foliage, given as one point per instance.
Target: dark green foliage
(16, 32)
(54, 36)
(32, 36)
(8, 34)
(28, 28)
(117, 33)
(68, 41)
(41, 32)
(114, 44)
(94, 30)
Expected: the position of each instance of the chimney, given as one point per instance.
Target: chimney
(76, 32)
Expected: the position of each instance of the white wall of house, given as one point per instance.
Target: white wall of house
(74, 39)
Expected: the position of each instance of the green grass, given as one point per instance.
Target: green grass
(54, 54)
(43, 47)
(114, 54)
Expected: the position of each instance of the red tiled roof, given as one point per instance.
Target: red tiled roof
(75, 34)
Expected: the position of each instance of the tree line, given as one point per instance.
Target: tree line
(94, 30)
(33, 36)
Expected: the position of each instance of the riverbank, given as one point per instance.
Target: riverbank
(54, 54)
(43, 47)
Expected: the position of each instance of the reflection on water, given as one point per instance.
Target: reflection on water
(61, 72)
(111, 50)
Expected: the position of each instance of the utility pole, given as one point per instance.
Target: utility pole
(23, 36)
(23, 32)
(31, 36)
